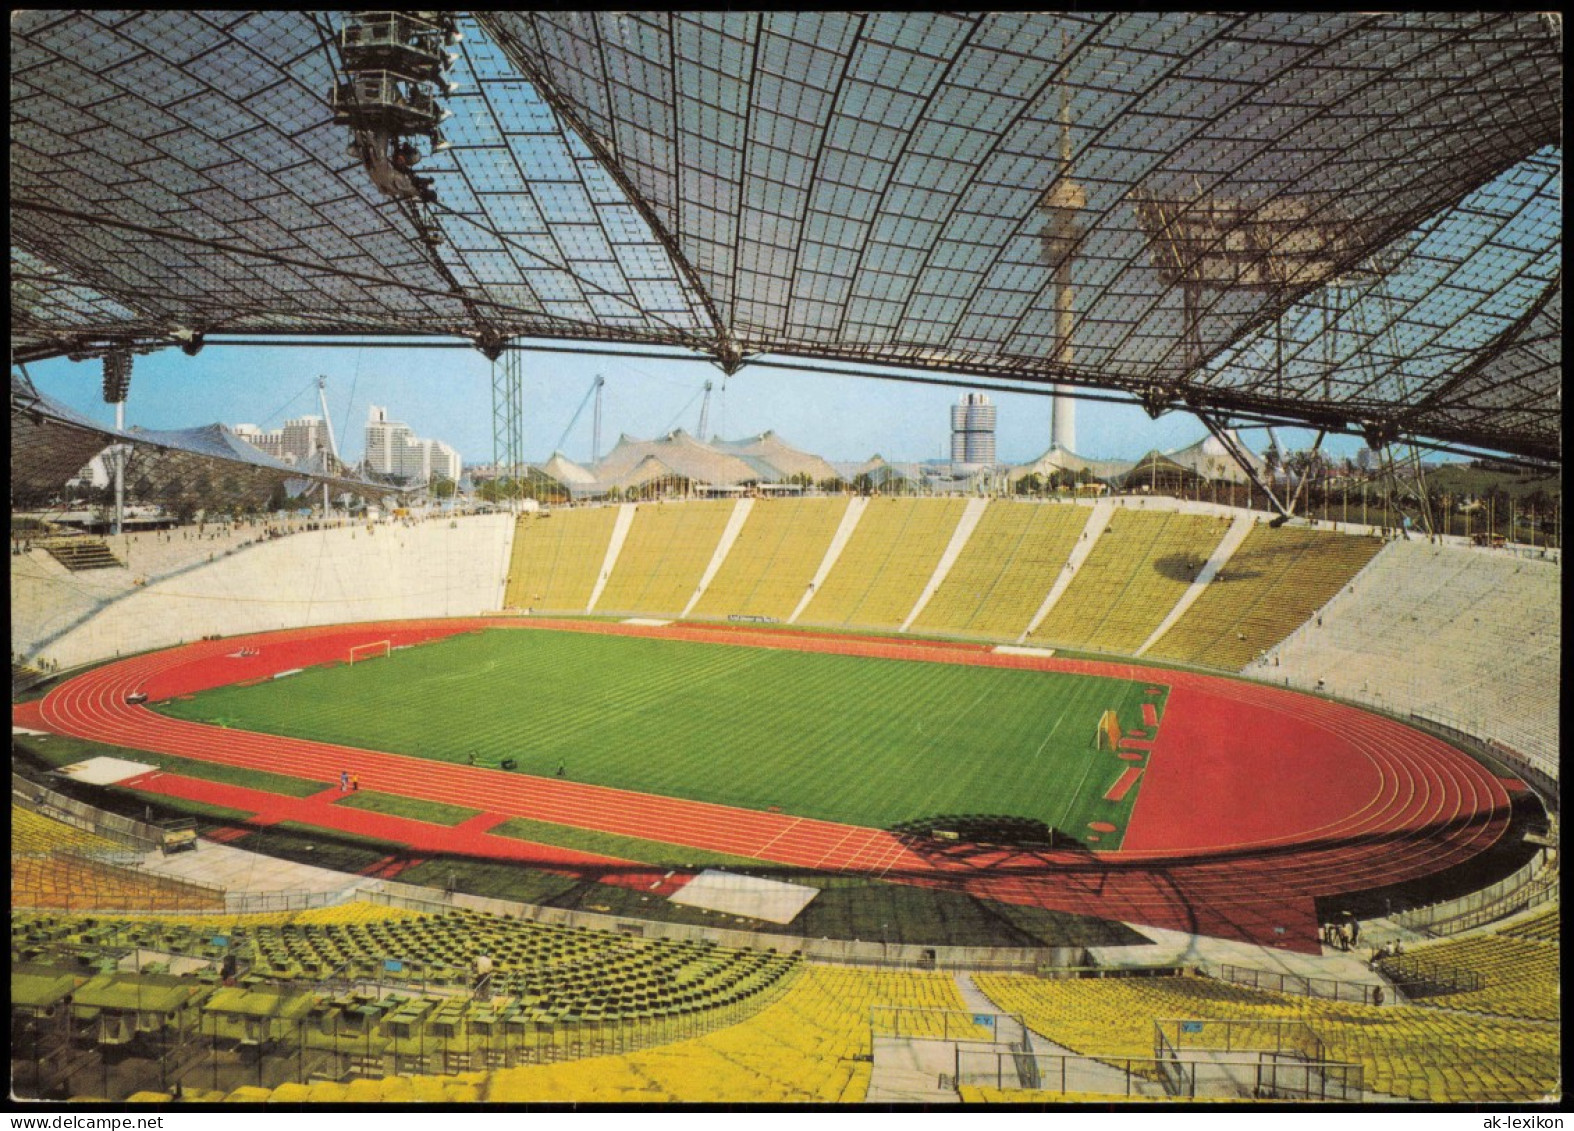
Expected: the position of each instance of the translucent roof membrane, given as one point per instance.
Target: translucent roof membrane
(886, 187)
(201, 183)
(1432, 321)
(51, 443)
(1116, 200)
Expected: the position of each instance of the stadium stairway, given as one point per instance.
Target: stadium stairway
(959, 539)
(1102, 512)
(1240, 526)
(845, 530)
(729, 535)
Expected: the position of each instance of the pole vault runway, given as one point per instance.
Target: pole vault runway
(1253, 801)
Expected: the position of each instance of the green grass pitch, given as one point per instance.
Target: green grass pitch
(865, 741)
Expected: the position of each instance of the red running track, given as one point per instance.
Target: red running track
(1254, 800)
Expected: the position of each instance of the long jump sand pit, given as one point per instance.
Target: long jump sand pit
(754, 898)
(106, 771)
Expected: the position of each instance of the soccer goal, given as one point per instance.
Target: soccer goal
(370, 651)
(1108, 736)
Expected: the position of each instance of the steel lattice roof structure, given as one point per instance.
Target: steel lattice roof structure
(1351, 220)
(51, 442)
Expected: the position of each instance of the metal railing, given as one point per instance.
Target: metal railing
(1419, 977)
(1328, 989)
(1294, 1067)
(1236, 1034)
(923, 1023)
(1262, 1074)
(123, 830)
(1455, 915)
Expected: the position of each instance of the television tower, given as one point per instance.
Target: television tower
(1060, 205)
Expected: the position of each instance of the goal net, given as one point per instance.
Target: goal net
(359, 652)
(1108, 736)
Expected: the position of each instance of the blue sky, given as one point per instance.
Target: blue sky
(446, 395)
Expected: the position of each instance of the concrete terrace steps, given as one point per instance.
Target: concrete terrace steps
(81, 553)
(1098, 518)
(959, 538)
(729, 535)
(844, 531)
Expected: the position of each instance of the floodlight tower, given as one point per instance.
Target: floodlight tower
(1060, 205)
(117, 383)
(705, 412)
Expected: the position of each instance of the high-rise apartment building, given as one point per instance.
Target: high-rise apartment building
(269, 442)
(303, 436)
(392, 448)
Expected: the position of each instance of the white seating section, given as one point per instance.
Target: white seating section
(389, 571)
(1468, 637)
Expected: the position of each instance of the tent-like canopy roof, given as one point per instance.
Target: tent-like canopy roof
(567, 472)
(676, 454)
(1058, 459)
(1156, 466)
(1343, 218)
(51, 442)
(1208, 459)
(785, 461)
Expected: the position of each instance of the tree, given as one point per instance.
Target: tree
(443, 487)
(1272, 461)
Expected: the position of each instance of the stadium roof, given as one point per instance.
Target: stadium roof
(783, 460)
(677, 454)
(1058, 459)
(1209, 460)
(1346, 219)
(51, 443)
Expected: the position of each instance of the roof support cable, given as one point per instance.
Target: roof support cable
(1306, 474)
(1221, 432)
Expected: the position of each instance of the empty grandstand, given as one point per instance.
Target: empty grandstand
(884, 565)
(769, 567)
(556, 557)
(663, 558)
(1466, 637)
(1273, 583)
(1003, 573)
(709, 771)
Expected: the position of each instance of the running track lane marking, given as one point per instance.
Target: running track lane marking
(830, 852)
(783, 831)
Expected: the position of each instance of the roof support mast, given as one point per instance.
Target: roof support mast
(1061, 205)
(1232, 448)
(595, 424)
(704, 413)
(333, 448)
